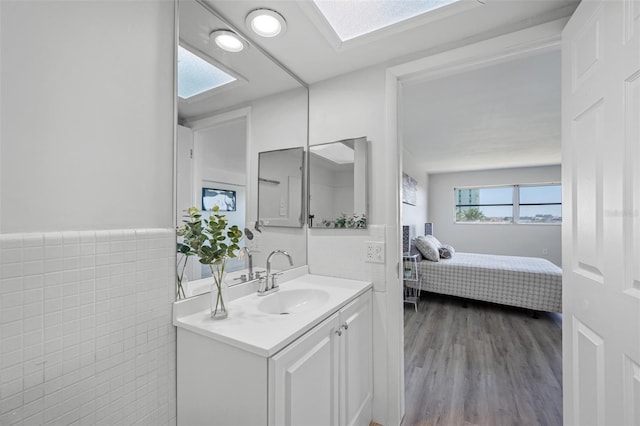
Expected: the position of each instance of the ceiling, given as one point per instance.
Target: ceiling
(505, 115)
(257, 75)
(309, 51)
(501, 116)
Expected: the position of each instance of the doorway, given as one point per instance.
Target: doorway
(471, 58)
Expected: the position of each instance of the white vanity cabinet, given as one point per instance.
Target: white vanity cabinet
(303, 389)
(325, 377)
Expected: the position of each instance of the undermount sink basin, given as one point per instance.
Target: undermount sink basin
(292, 301)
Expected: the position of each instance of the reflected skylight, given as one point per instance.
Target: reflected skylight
(337, 152)
(195, 75)
(351, 19)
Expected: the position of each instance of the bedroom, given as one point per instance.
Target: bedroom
(495, 130)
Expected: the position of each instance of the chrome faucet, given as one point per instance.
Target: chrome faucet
(269, 284)
(248, 253)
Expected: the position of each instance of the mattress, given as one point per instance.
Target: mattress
(526, 282)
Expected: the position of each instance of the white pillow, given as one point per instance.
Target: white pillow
(435, 240)
(428, 248)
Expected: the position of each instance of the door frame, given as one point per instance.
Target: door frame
(520, 44)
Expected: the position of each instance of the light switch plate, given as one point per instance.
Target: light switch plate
(374, 252)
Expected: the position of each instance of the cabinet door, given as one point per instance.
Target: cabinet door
(356, 353)
(303, 379)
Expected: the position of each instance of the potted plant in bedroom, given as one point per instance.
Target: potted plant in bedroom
(213, 241)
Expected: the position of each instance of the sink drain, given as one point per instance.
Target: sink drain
(284, 313)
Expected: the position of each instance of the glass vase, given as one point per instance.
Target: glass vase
(181, 284)
(219, 297)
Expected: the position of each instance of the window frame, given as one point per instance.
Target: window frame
(515, 204)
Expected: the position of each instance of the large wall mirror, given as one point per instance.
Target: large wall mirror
(338, 184)
(257, 107)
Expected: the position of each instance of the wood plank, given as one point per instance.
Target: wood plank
(485, 364)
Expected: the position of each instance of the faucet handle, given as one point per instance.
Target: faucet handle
(262, 285)
(274, 279)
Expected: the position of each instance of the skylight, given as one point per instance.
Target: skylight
(351, 19)
(195, 75)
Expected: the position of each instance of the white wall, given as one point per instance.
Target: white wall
(415, 216)
(505, 239)
(86, 148)
(276, 122)
(351, 106)
(220, 156)
(332, 190)
(221, 153)
(87, 115)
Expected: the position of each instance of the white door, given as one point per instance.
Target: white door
(303, 379)
(601, 230)
(356, 353)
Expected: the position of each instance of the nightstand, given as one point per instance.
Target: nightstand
(411, 280)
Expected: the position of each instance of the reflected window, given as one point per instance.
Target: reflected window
(223, 198)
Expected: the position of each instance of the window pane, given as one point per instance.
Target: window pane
(540, 194)
(540, 214)
(485, 214)
(480, 196)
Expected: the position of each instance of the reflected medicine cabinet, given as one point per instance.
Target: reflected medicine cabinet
(280, 188)
(338, 184)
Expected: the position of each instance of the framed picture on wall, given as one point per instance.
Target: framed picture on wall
(409, 189)
(225, 199)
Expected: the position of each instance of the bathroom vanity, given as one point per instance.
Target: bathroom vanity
(301, 355)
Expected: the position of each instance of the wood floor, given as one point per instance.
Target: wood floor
(481, 365)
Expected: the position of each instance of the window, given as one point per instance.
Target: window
(501, 204)
(540, 204)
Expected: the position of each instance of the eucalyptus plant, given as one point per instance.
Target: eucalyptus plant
(213, 241)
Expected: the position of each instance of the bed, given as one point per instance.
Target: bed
(525, 282)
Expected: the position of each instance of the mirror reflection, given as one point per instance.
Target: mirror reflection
(280, 190)
(338, 184)
(261, 107)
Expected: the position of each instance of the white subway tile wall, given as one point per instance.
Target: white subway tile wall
(86, 334)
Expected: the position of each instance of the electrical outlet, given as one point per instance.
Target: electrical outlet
(375, 252)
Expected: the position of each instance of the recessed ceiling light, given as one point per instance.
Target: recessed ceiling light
(266, 22)
(227, 40)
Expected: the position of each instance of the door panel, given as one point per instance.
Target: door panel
(587, 49)
(601, 199)
(587, 190)
(303, 379)
(356, 358)
(632, 392)
(632, 182)
(588, 374)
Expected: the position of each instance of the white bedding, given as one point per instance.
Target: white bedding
(526, 282)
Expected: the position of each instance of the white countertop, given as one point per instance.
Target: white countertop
(264, 334)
